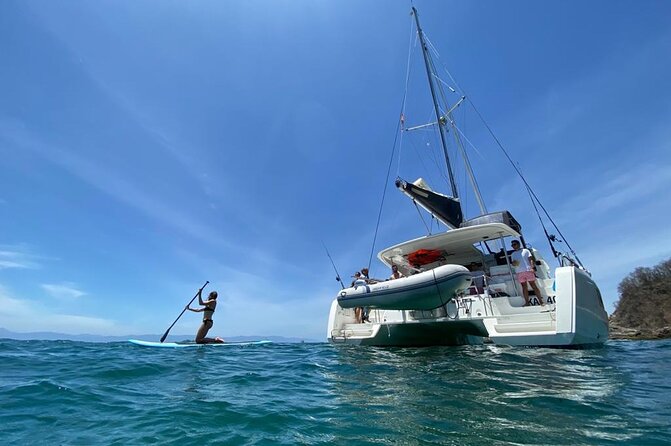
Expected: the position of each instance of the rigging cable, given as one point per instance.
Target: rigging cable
(407, 80)
(533, 202)
(428, 230)
(529, 189)
(448, 116)
(391, 158)
(519, 173)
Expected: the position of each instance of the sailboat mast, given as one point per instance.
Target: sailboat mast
(439, 118)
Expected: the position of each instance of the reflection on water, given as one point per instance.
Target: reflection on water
(77, 393)
(505, 394)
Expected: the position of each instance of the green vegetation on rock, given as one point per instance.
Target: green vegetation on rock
(643, 310)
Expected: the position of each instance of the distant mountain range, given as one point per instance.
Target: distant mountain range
(50, 336)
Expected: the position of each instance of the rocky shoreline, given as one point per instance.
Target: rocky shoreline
(643, 309)
(637, 333)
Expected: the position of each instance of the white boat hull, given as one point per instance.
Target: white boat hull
(574, 318)
(578, 319)
(423, 291)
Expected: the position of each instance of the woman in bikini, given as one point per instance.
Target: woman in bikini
(208, 310)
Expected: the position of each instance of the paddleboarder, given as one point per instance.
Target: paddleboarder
(208, 308)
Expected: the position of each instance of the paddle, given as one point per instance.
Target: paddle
(165, 335)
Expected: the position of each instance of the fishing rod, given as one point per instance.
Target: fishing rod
(334, 267)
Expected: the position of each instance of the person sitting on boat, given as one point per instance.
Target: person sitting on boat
(395, 273)
(525, 269)
(364, 276)
(416, 269)
(478, 274)
(358, 280)
(208, 307)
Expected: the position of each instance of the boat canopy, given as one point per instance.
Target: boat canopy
(457, 245)
(494, 217)
(444, 208)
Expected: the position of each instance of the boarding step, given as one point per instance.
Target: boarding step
(525, 327)
(543, 316)
(356, 330)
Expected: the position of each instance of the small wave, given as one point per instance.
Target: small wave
(69, 393)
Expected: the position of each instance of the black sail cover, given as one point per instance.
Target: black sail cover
(444, 208)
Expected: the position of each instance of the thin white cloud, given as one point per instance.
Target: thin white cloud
(63, 290)
(76, 324)
(247, 314)
(612, 262)
(264, 301)
(112, 184)
(164, 140)
(17, 257)
(145, 118)
(4, 264)
(19, 315)
(566, 106)
(625, 188)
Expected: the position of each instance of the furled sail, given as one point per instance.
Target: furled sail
(444, 208)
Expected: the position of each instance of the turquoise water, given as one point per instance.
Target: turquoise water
(62, 392)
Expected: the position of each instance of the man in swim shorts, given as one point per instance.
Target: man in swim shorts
(525, 269)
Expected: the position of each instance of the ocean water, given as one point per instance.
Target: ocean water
(76, 393)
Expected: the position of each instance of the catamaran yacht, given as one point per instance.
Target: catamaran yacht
(459, 286)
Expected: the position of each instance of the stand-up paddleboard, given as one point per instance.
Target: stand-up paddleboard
(193, 344)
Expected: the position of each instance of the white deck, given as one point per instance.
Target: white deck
(569, 320)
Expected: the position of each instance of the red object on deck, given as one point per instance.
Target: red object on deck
(425, 256)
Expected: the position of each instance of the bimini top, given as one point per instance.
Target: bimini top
(456, 244)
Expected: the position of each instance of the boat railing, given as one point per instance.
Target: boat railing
(479, 289)
(565, 260)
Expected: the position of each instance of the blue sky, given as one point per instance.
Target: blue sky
(146, 147)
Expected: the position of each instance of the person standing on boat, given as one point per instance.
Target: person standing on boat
(208, 307)
(366, 310)
(522, 260)
(358, 311)
(395, 273)
(478, 286)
